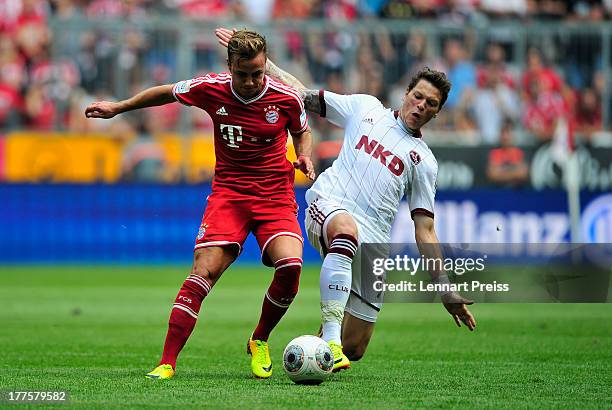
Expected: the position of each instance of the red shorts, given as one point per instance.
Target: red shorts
(229, 218)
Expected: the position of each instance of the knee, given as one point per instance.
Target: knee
(210, 263)
(345, 230)
(343, 224)
(204, 272)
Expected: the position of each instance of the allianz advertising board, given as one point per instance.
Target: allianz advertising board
(511, 216)
(159, 223)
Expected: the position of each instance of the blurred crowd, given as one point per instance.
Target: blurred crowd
(48, 77)
(261, 11)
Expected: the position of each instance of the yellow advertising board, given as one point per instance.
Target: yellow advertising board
(71, 158)
(52, 157)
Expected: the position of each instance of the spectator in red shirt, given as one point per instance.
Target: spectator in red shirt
(543, 110)
(588, 114)
(207, 9)
(39, 109)
(506, 164)
(15, 14)
(538, 72)
(545, 97)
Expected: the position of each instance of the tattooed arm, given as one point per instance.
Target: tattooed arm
(310, 97)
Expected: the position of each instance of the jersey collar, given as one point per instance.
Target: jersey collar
(252, 100)
(398, 119)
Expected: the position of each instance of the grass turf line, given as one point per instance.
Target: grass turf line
(95, 332)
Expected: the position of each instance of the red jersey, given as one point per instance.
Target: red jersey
(250, 135)
(508, 156)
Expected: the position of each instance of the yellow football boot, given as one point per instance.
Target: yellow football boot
(261, 365)
(161, 372)
(341, 362)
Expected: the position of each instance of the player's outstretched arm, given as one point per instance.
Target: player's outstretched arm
(429, 246)
(303, 149)
(150, 97)
(310, 97)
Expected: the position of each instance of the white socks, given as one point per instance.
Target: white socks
(335, 285)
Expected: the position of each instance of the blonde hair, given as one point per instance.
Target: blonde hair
(245, 44)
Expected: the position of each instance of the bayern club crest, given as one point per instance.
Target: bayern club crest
(202, 231)
(272, 114)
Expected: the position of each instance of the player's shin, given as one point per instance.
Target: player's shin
(279, 296)
(335, 285)
(184, 316)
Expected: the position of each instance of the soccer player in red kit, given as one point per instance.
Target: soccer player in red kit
(252, 189)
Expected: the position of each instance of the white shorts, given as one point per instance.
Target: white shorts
(319, 213)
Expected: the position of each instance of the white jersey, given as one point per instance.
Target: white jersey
(380, 163)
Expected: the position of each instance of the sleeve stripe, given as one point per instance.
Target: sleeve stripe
(208, 78)
(213, 80)
(421, 211)
(220, 78)
(322, 103)
(216, 81)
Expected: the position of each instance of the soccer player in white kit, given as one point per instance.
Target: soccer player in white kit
(383, 160)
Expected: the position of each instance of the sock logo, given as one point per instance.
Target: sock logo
(341, 288)
(184, 298)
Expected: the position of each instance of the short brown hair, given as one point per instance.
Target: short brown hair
(245, 44)
(437, 78)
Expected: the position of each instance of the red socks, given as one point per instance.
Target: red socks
(187, 304)
(280, 294)
(184, 316)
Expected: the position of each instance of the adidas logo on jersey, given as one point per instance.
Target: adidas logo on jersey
(369, 121)
(221, 111)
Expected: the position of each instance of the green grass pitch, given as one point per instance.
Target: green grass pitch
(95, 332)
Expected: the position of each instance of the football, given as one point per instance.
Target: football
(308, 360)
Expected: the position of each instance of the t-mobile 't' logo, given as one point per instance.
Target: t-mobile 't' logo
(232, 134)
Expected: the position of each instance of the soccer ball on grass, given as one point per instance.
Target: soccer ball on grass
(308, 360)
